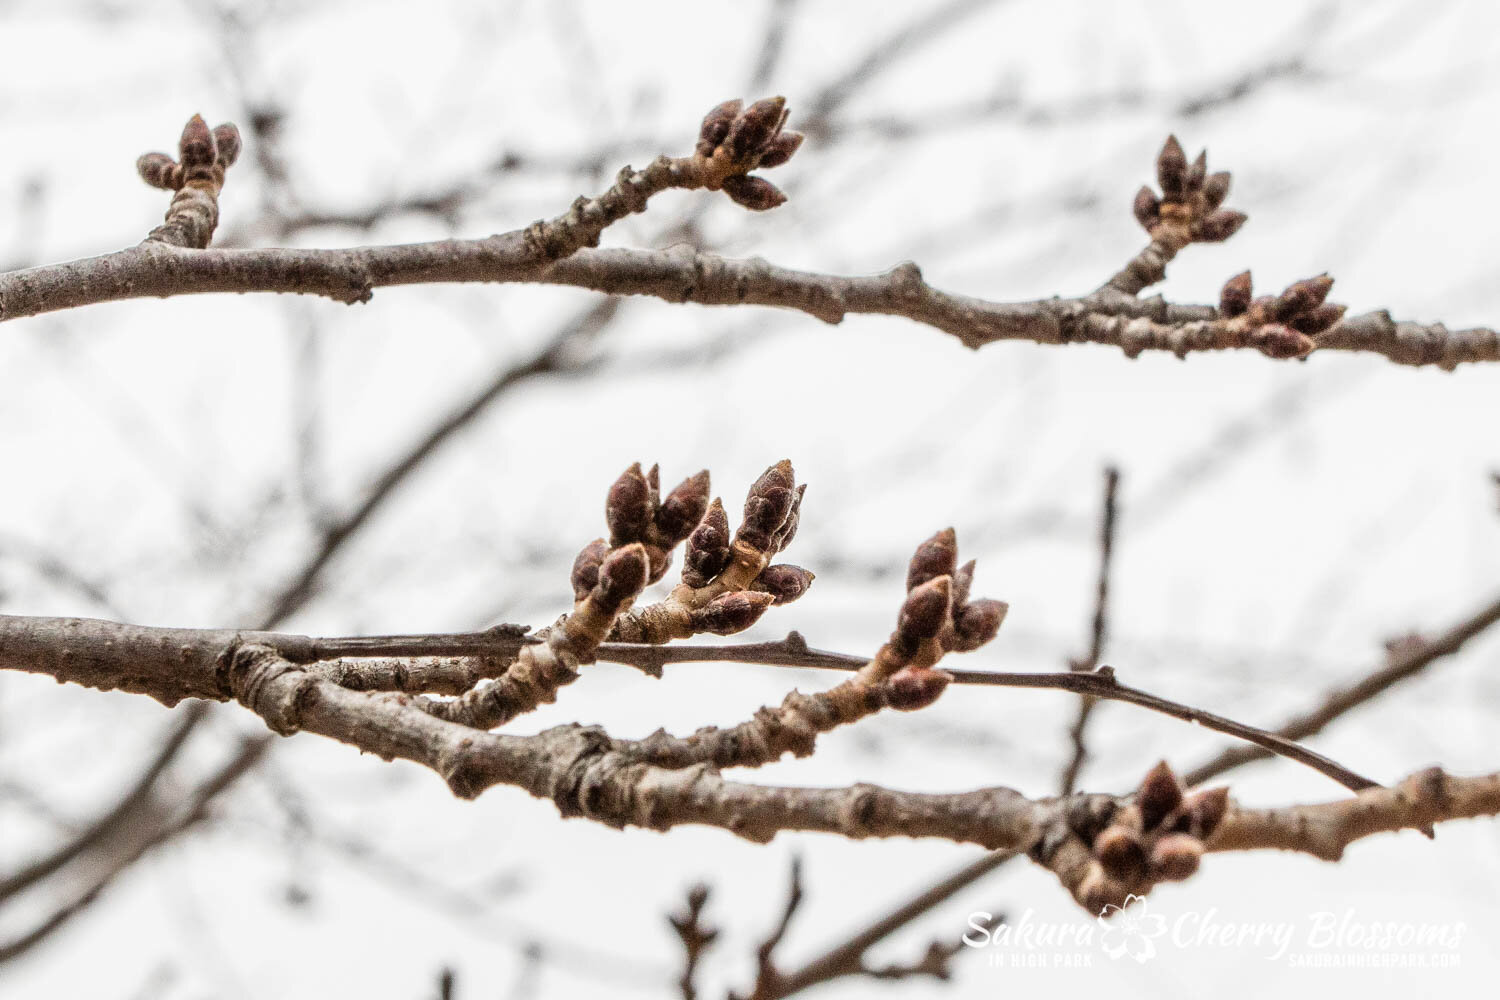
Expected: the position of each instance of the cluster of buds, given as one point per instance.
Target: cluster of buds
(937, 618)
(735, 140)
(1188, 209)
(1282, 326)
(1158, 836)
(197, 175)
(728, 581)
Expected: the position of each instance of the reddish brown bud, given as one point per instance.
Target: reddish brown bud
(781, 149)
(627, 509)
(1147, 208)
(1206, 810)
(196, 147)
(1277, 341)
(1171, 169)
(1158, 795)
(963, 579)
(586, 568)
(938, 556)
(755, 193)
(1176, 857)
(1197, 172)
(1300, 296)
(751, 133)
(731, 613)
(227, 142)
(925, 611)
(1234, 299)
(707, 547)
(1317, 320)
(784, 582)
(159, 170)
(1215, 189)
(768, 506)
(622, 575)
(683, 508)
(715, 127)
(788, 529)
(1120, 854)
(1219, 226)
(977, 622)
(911, 688)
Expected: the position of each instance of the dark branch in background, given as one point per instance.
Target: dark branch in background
(696, 938)
(1099, 632)
(731, 144)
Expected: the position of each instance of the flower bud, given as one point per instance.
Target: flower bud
(1205, 810)
(731, 613)
(1176, 857)
(1317, 320)
(937, 556)
(1219, 226)
(911, 688)
(1234, 298)
(788, 530)
(586, 568)
(707, 547)
(1300, 296)
(781, 149)
(751, 133)
(627, 509)
(925, 611)
(755, 193)
(715, 127)
(160, 171)
(1215, 189)
(963, 579)
(1197, 172)
(683, 508)
(1147, 208)
(196, 147)
(1277, 341)
(767, 506)
(622, 575)
(227, 142)
(1120, 854)
(1158, 795)
(1171, 169)
(977, 622)
(783, 582)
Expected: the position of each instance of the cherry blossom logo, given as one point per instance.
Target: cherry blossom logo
(1131, 929)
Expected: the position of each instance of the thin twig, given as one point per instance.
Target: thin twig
(1099, 633)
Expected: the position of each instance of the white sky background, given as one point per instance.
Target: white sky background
(1279, 520)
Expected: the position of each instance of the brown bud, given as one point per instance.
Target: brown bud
(1147, 208)
(1176, 857)
(659, 560)
(751, 133)
(1277, 341)
(1171, 169)
(963, 579)
(977, 622)
(196, 147)
(938, 556)
(1206, 810)
(627, 509)
(925, 611)
(768, 506)
(911, 688)
(1219, 226)
(1215, 189)
(1097, 892)
(1234, 299)
(227, 141)
(1197, 172)
(586, 568)
(784, 582)
(731, 613)
(707, 547)
(683, 508)
(1158, 795)
(715, 127)
(160, 171)
(621, 575)
(755, 193)
(1120, 854)
(781, 149)
(788, 530)
(1317, 320)
(1300, 296)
